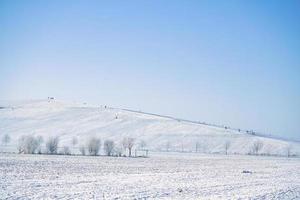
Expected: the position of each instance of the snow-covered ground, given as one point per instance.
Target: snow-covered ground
(162, 176)
(67, 120)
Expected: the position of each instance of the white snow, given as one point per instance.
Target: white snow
(162, 176)
(66, 120)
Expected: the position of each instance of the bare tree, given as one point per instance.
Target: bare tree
(82, 150)
(118, 151)
(93, 146)
(109, 146)
(66, 150)
(124, 144)
(257, 146)
(227, 146)
(21, 144)
(5, 139)
(182, 147)
(142, 144)
(74, 141)
(40, 141)
(288, 150)
(128, 143)
(31, 144)
(52, 145)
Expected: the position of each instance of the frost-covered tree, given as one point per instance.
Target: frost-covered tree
(182, 147)
(128, 143)
(31, 144)
(227, 146)
(142, 144)
(118, 150)
(257, 146)
(109, 146)
(52, 145)
(28, 144)
(5, 139)
(40, 141)
(66, 150)
(288, 150)
(74, 141)
(82, 150)
(21, 144)
(93, 146)
(124, 144)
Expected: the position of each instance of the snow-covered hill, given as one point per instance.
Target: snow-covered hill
(67, 120)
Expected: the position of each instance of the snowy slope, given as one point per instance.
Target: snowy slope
(66, 120)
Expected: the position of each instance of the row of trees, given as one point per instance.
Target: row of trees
(29, 144)
(199, 146)
(254, 149)
(110, 147)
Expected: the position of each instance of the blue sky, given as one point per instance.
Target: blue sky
(226, 62)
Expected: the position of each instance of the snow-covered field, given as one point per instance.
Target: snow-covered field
(67, 120)
(162, 176)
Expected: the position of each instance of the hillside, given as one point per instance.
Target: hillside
(68, 120)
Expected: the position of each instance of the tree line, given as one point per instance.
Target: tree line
(29, 144)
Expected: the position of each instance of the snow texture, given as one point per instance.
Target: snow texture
(162, 176)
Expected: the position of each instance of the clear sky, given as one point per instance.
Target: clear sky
(226, 62)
